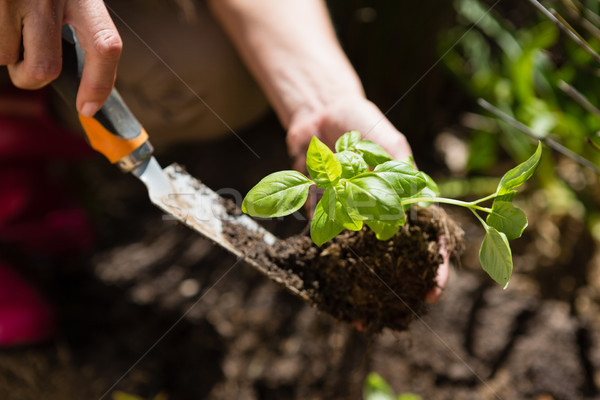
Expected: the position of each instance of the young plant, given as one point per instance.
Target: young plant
(376, 388)
(363, 185)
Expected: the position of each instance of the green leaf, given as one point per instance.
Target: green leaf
(376, 388)
(374, 198)
(334, 205)
(506, 197)
(430, 184)
(347, 141)
(383, 231)
(507, 219)
(516, 176)
(352, 164)
(409, 396)
(278, 194)
(402, 176)
(495, 256)
(323, 228)
(373, 153)
(322, 165)
(430, 191)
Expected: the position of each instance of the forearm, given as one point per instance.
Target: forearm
(291, 48)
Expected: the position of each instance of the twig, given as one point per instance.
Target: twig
(594, 145)
(592, 17)
(578, 97)
(553, 16)
(553, 144)
(577, 11)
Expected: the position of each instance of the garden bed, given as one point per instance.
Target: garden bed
(158, 309)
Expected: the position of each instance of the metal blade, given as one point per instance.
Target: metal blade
(151, 173)
(186, 199)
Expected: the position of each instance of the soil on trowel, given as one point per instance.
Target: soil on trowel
(356, 278)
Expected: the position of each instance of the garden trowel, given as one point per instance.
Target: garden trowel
(116, 133)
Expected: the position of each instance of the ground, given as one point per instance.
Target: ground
(156, 309)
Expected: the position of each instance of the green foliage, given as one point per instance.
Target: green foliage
(378, 197)
(376, 388)
(402, 176)
(323, 228)
(347, 142)
(374, 199)
(126, 396)
(518, 175)
(278, 194)
(352, 163)
(495, 256)
(373, 153)
(521, 62)
(322, 165)
(336, 208)
(508, 219)
(383, 230)
(530, 72)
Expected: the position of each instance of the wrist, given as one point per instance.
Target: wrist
(345, 113)
(323, 109)
(316, 97)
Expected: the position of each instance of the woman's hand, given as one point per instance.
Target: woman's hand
(360, 115)
(292, 50)
(331, 122)
(30, 45)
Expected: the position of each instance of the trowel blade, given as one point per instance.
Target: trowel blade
(186, 199)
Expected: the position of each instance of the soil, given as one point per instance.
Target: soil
(355, 277)
(156, 309)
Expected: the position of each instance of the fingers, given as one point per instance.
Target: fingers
(434, 294)
(41, 39)
(36, 25)
(102, 45)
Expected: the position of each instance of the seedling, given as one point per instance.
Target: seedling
(376, 388)
(363, 185)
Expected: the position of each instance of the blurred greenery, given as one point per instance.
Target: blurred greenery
(118, 395)
(425, 63)
(534, 73)
(376, 388)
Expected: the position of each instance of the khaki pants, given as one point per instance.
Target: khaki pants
(181, 77)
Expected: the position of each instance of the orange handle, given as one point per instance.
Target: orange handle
(113, 147)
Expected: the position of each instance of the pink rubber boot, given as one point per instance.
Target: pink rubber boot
(24, 317)
(37, 213)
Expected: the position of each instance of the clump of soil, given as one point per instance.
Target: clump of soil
(356, 278)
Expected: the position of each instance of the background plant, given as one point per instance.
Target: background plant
(376, 388)
(521, 63)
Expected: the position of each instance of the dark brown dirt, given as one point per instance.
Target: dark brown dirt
(158, 309)
(355, 277)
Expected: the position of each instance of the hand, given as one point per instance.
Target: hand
(331, 122)
(361, 115)
(36, 25)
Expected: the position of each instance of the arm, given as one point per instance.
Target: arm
(291, 48)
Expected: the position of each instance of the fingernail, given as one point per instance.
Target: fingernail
(89, 109)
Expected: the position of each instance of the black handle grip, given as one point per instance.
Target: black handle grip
(113, 130)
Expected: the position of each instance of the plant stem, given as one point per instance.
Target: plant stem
(486, 198)
(469, 205)
(480, 219)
